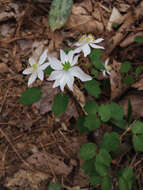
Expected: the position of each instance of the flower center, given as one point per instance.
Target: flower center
(34, 66)
(66, 66)
(107, 68)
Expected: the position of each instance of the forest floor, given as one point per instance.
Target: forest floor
(36, 147)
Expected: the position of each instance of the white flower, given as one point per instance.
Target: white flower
(65, 70)
(36, 69)
(107, 68)
(85, 42)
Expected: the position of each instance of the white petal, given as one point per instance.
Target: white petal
(40, 75)
(77, 50)
(77, 72)
(106, 61)
(55, 75)
(70, 82)
(43, 57)
(27, 71)
(44, 66)
(63, 56)
(70, 56)
(96, 46)
(55, 63)
(98, 40)
(104, 73)
(31, 61)
(86, 50)
(32, 78)
(108, 73)
(63, 80)
(75, 59)
(77, 44)
(56, 83)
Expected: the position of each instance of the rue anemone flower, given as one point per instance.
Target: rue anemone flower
(36, 69)
(65, 70)
(107, 68)
(85, 42)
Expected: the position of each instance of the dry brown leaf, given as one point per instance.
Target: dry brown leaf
(116, 80)
(46, 162)
(136, 102)
(3, 68)
(45, 103)
(115, 17)
(80, 19)
(139, 84)
(128, 22)
(26, 180)
(130, 39)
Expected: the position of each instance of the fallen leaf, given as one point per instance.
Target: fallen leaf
(139, 83)
(136, 102)
(26, 180)
(47, 161)
(115, 18)
(80, 19)
(116, 80)
(3, 68)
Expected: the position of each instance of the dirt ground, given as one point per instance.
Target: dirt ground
(36, 147)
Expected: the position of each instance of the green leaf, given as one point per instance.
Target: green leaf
(101, 169)
(128, 80)
(117, 111)
(30, 96)
(106, 183)
(125, 67)
(54, 186)
(93, 88)
(105, 112)
(92, 122)
(60, 104)
(94, 72)
(129, 112)
(123, 185)
(59, 13)
(88, 151)
(138, 39)
(138, 142)
(111, 141)
(80, 124)
(95, 53)
(91, 107)
(98, 64)
(139, 70)
(88, 167)
(94, 180)
(126, 179)
(119, 123)
(48, 70)
(137, 128)
(104, 157)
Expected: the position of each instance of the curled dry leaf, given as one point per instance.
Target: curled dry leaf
(130, 39)
(45, 161)
(139, 84)
(129, 20)
(45, 103)
(28, 180)
(115, 17)
(116, 80)
(136, 102)
(80, 19)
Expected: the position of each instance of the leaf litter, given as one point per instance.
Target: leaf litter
(32, 134)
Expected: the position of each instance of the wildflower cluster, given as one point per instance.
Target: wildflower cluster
(65, 69)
